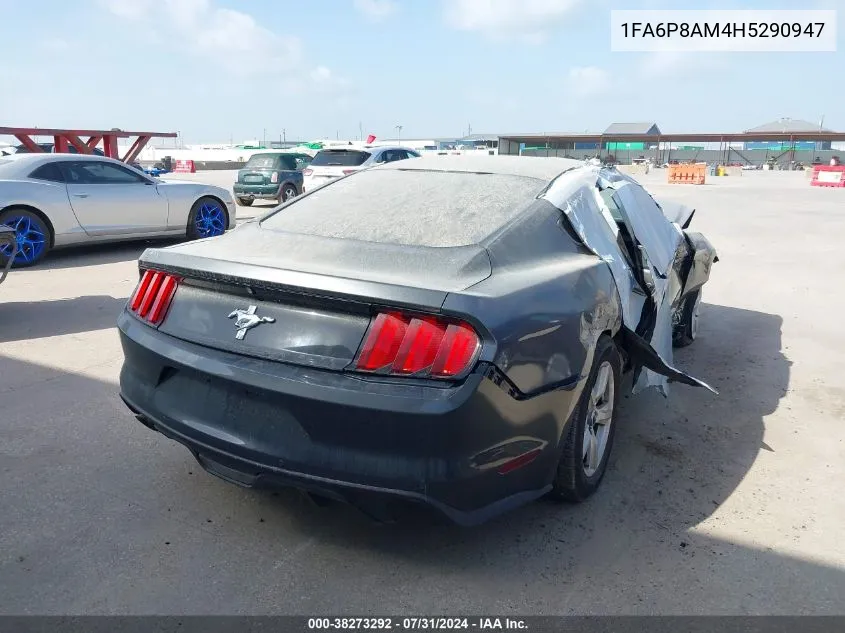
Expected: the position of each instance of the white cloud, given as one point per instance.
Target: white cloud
(527, 20)
(231, 39)
(376, 9)
(589, 81)
(321, 74)
(324, 80)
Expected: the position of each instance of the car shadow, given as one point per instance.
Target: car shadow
(94, 255)
(24, 320)
(131, 505)
(675, 460)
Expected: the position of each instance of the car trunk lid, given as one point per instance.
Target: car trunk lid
(303, 299)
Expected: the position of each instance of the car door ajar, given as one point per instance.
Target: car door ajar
(110, 199)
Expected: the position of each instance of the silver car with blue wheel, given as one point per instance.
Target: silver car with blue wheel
(61, 200)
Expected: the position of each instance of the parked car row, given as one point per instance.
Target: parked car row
(58, 200)
(52, 200)
(280, 176)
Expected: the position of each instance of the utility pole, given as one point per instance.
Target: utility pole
(284, 136)
(360, 131)
(398, 133)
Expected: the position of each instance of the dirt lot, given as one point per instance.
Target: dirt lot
(712, 504)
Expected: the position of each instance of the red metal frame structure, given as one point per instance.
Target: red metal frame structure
(63, 138)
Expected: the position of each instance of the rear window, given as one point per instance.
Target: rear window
(409, 207)
(260, 161)
(339, 158)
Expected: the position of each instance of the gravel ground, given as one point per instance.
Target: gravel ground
(711, 504)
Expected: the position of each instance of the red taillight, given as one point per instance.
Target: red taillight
(153, 295)
(274, 177)
(307, 172)
(403, 345)
(346, 172)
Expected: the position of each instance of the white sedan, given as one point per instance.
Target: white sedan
(57, 200)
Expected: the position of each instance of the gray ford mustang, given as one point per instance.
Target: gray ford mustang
(448, 331)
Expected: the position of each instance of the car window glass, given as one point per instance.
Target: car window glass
(261, 161)
(98, 173)
(50, 172)
(287, 162)
(410, 207)
(339, 158)
(302, 162)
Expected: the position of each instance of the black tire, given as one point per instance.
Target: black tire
(192, 231)
(572, 480)
(36, 221)
(245, 202)
(287, 192)
(686, 331)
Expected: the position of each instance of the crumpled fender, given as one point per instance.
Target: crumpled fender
(642, 353)
(704, 256)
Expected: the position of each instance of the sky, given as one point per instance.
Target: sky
(231, 70)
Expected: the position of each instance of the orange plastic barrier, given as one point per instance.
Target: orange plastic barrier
(185, 167)
(687, 174)
(828, 176)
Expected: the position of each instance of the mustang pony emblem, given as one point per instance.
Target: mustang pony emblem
(247, 319)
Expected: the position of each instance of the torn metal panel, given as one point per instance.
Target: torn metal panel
(659, 237)
(661, 344)
(596, 228)
(644, 354)
(678, 213)
(704, 258)
(642, 266)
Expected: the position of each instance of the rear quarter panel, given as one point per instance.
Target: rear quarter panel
(545, 305)
(48, 197)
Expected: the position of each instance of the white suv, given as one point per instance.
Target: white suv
(333, 163)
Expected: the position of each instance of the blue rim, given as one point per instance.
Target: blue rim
(31, 237)
(211, 219)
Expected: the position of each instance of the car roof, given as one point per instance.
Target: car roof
(34, 157)
(541, 168)
(365, 148)
(280, 153)
(25, 163)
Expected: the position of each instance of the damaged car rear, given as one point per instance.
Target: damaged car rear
(449, 331)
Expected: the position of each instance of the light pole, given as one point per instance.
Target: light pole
(398, 133)
(284, 137)
(264, 138)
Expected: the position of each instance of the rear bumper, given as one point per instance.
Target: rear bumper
(367, 442)
(312, 183)
(265, 192)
